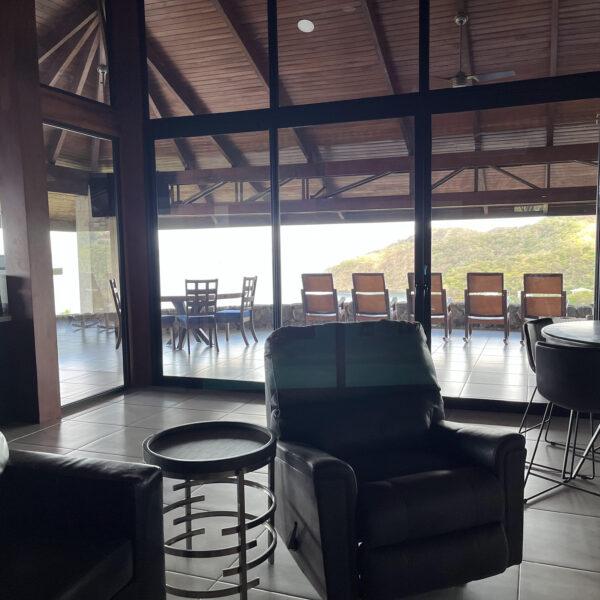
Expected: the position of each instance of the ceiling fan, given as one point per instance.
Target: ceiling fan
(461, 79)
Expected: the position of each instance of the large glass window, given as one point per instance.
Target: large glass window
(347, 208)
(214, 243)
(340, 50)
(513, 209)
(206, 56)
(479, 42)
(85, 260)
(72, 52)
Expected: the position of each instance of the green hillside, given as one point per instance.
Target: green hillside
(553, 245)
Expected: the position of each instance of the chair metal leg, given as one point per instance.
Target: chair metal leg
(214, 328)
(567, 444)
(586, 452)
(537, 442)
(227, 331)
(526, 413)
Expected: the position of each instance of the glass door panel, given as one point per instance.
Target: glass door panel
(214, 225)
(346, 208)
(514, 195)
(85, 260)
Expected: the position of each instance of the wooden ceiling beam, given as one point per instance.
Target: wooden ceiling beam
(583, 194)
(78, 113)
(387, 66)
(405, 164)
(65, 38)
(184, 152)
(260, 64)
(55, 153)
(516, 178)
(168, 75)
(74, 52)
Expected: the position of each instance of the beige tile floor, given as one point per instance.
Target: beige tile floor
(562, 530)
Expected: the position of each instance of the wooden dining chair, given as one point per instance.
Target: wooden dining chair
(486, 302)
(117, 300)
(440, 304)
(320, 300)
(370, 297)
(200, 310)
(244, 314)
(542, 296)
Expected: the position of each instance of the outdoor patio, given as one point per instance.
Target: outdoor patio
(484, 368)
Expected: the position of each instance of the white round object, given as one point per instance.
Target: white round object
(306, 26)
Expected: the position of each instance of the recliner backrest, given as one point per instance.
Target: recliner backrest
(347, 387)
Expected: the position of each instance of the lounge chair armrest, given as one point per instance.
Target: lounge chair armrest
(316, 496)
(501, 453)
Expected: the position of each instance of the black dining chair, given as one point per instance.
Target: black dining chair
(567, 377)
(532, 332)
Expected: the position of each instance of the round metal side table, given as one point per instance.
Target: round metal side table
(217, 452)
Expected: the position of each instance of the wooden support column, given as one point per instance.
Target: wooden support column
(30, 388)
(127, 73)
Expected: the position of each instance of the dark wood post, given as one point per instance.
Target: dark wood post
(29, 375)
(127, 72)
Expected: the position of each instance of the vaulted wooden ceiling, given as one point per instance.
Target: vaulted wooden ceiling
(207, 56)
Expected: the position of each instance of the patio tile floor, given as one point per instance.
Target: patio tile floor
(484, 368)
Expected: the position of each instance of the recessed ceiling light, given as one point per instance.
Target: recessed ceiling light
(306, 26)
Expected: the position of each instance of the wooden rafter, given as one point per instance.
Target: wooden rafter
(74, 52)
(402, 164)
(568, 195)
(516, 178)
(167, 74)
(387, 66)
(184, 152)
(65, 38)
(260, 64)
(80, 85)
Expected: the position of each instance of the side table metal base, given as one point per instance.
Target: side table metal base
(245, 522)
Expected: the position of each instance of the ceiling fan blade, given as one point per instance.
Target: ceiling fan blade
(442, 78)
(483, 77)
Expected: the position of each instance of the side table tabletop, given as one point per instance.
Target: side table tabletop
(217, 452)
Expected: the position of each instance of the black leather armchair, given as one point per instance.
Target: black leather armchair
(73, 528)
(378, 496)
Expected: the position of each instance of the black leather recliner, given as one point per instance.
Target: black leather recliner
(378, 496)
(79, 528)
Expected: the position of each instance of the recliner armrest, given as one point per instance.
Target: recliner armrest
(499, 452)
(316, 495)
(484, 446)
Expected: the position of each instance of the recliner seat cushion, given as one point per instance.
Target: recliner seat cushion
(387, 463)
(427, 504)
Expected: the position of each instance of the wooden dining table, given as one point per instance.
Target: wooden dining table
(574, 333)
(178, 302)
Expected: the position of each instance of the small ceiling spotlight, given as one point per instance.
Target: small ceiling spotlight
(306, 26)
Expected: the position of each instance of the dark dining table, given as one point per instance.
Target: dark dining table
(574, 333)
(179, 304)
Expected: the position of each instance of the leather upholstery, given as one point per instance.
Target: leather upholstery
(405, 508)
(101, 522)
(378, 496)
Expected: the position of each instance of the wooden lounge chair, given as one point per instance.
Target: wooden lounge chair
(542, 296)
(370, 297)
(320, 300)
(243, 314)
(200, 311)
(440, 306)
(486, 302)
